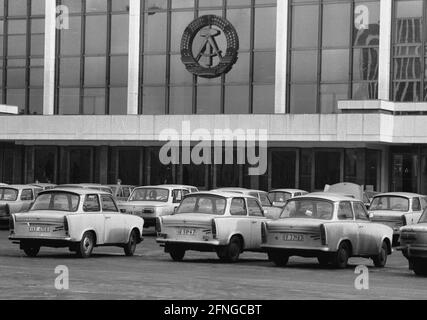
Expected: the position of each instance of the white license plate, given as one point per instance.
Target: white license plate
(39, 229)
(293, 237)
(187, 232)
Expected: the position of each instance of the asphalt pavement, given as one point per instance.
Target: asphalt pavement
(151, 274)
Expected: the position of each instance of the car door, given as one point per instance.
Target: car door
(367, 239)
(27, 198)
(256, 217)
(177, 196)
(242, 223)
(114, 228)
(348, 225)
(94, 218)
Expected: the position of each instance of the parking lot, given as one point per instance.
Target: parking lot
(152, 275)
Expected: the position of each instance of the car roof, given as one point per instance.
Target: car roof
(400, 194)
(80, 191)
(19, 186)
(221, 194)
(288, 190)
(334, 197)
(175, 186)
(242, 190)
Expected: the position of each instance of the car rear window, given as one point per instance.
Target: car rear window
(308, 209)
(8, 194)
(392, 203)
(56, 201)
(204, 204)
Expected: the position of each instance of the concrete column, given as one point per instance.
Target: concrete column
(18, 157)
(281, 56)
(49, 57)
(134, 36)
(29, 164)
(103, 165)
(385, 49)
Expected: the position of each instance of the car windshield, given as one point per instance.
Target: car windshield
(204, 204)
(279, 196)
(57, 201)
(8, 194)
(150, 194)
(108, 190)
(392, 203)
(308, 209)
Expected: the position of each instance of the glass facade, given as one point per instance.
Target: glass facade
(409, 51)
(22, 50)
(168, 88)
(92, 58)
(333, 53)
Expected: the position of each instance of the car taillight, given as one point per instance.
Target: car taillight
(323, 235)
(263, 232)
(158, 225)
(214, 229)
(12, 224)
(66, 228)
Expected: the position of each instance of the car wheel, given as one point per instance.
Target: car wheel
(279, 259)
(177, 254)
(31, 250)
(324, 261)
(85, 248)
(130, 247)
(341, 257)
(381, 259)
(233, 250)
(420, 267)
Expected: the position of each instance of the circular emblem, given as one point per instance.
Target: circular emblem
(201, 46)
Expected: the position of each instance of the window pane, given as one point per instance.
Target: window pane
(96, 34)
(119, 71)
(336, 25)
(330, 94)
(94, 101)
(155, 69)
(155, 28)
(95, 71)
(263, 99)
(305, 26)
(265, 28)
(69, 72)
(118, 101)
(69, 101)
(237, 100)
(154, 100)
(335, 65)
(181, 100)
(119, 33)
(365, 64)
(304, 66)
(303, 99)
(209, 100)
(71, 38)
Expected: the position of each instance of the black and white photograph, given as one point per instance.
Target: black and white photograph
(213, 156)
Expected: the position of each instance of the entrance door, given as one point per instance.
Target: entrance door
(404, 172)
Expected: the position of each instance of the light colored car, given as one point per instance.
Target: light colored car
(78, 219)
(16, 198)
(152, 202)
(278, 197)
(44, 186)
(225, 223)
(270, 211)
(331, 227)
(121, 192)
(413, 244)
(397, 209)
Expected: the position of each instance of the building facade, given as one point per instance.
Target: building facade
(340, 87)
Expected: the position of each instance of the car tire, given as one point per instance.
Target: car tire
(420, 267)
(279, 259)
(130, 247)
(31, 250)
(381, 259)
(233, 250)
(340, 260)
(177, 254)
(324, 261)
(86, 245)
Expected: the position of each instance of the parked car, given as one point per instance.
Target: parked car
(44, 186)
(121, 192)
(92, 186)
(78, 219)
(413, 244)
(225, 223)
(15, 198)
(330, 227)
(155, 201)
(270, 211)
(278, 197)
(397, 209)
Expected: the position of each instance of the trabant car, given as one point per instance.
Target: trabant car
(16, 198)
(397, 209)
(121, 192)
(225, 223)
(44, 186)
(78, 219)
(270, 211)
(154, 201)
(330, 227)
(413, 244)
(278, 197)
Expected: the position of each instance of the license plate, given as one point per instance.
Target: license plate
(187, 232)
(293, 237)
(39, 229)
